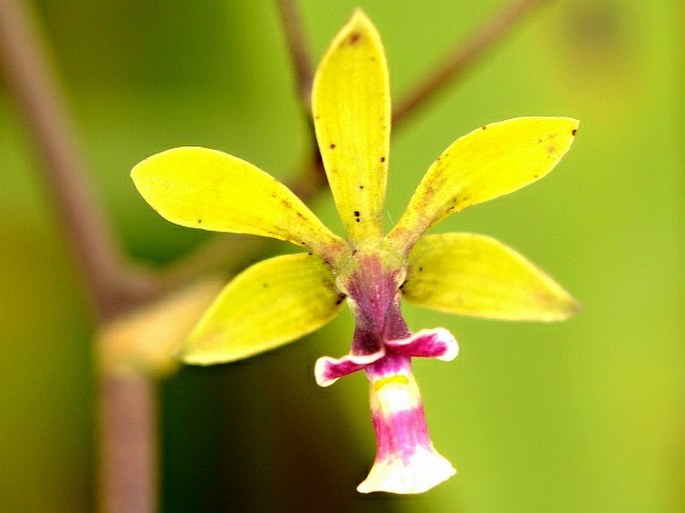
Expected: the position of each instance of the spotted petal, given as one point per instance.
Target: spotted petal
(351, 106)
(266, 306)
(209, 189)
(489, 162)
(475, 275)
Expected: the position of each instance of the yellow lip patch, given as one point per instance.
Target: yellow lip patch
(397, 378)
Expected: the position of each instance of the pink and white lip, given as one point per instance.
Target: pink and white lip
(434, 343)
(406, 461)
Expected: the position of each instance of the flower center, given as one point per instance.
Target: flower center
(371, 279)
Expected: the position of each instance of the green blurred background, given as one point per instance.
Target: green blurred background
(582, 416)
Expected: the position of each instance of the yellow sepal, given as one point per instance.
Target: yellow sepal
(351, 107)
(209, 189)
(147, 340)
(266, 306)
(489, 162)
(475, 275)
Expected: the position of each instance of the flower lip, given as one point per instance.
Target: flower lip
(406, 461)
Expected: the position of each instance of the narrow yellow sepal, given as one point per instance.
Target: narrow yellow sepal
(475, 275)
(489, 162)
(268, 305)
(147, 341)
(209, 189)
(351, 107)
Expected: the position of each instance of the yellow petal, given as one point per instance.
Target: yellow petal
(208, 189)
(489, 162)
(351, 106)
(268, 305)
(475, 275)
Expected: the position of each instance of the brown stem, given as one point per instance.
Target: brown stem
(128, 452)
(297, 48)
(97, 256)
(127, 404)
(464, 55)
(224, 253)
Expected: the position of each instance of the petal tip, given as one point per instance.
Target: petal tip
(200, 358)
(360, 20)
(561, 306)
(358, 16)
(573, 125)
(572, 308)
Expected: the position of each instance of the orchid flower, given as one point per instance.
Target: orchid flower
(281, 299)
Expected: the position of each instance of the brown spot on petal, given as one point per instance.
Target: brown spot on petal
(382, 159)
(574, 131)
(331, 146)
(354, 38)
